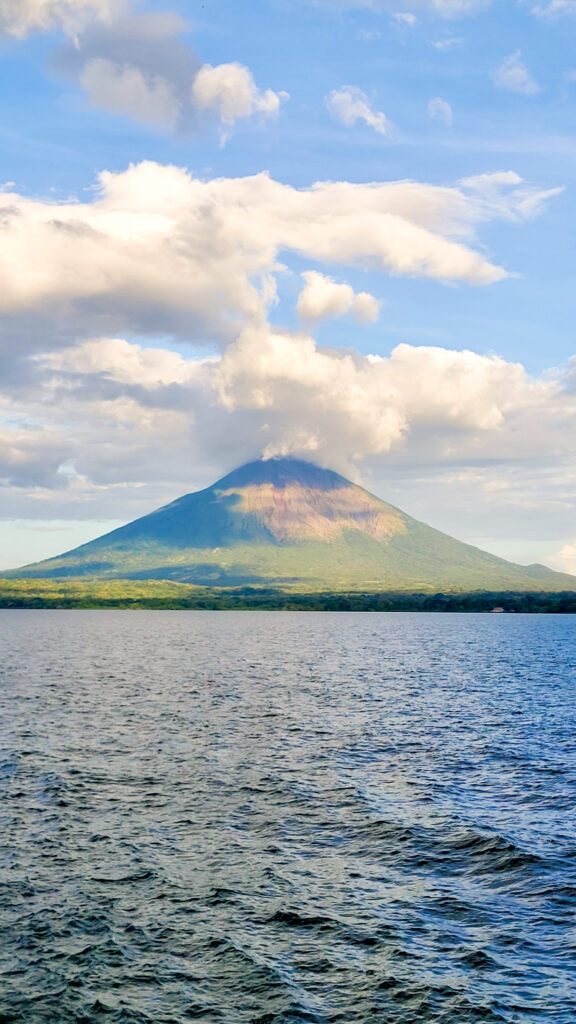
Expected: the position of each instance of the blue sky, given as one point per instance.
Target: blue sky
(448, 391)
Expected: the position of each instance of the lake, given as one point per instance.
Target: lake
(278, 818)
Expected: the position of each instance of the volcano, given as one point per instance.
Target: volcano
(286, 522)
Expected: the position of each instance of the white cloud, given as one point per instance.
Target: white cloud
(231, 92)
(276, 391)
(405, 18)
(106, 427)
(159, 252)
(350, 105)
(279, 391)
(555, 9)
(141, 66)
(346, 406)
(118, 360)
(514, 76)
(565, 559)
(21, 17)
(446, 44)
(399, 8)
(322, 297)
(227, 91)
(440, 110)
(138, 65)
(454, 8)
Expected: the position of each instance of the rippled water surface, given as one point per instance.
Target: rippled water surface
(269, 818)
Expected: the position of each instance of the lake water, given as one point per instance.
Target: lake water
(275, 818)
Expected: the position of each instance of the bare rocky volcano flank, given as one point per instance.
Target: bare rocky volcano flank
(288, 522)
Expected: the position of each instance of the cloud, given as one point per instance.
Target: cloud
(231, 92)
(405, 18)
(118, 360)
(349, 105)
(555, 9)
(160, 253)
(95, 425)
(125, 90)
(440, 110)
(565, 559)
(454, 8)
(343, 405)
(322, 297)
(114, 428)
(19, 18)
(139, 66)
(146, 412)
(446, 44)
(405, 9)
(514, 76)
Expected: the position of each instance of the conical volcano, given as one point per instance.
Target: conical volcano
(285, 522)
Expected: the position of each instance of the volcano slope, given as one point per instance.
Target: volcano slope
(289, 523)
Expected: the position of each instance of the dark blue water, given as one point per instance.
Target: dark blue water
(283, 818)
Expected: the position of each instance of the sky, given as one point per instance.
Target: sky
(337, 230)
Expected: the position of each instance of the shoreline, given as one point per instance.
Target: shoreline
(165, 595)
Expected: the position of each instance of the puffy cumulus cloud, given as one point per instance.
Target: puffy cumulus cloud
(350, 105)
(278, 392)
(231, 92)
(514, 76)
(21, 17)
(139, 66)
(158, 252)
(117, 360)
(343, 405)
(322, 297)
(440, 110)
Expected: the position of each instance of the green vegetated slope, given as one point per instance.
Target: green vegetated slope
(290, 524)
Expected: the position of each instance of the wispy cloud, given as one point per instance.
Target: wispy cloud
(349, 105)
(440, 110)
(514, 76)
(405, 18)
(555, 9)
(447, 44)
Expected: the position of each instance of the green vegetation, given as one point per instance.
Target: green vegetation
(162, 594)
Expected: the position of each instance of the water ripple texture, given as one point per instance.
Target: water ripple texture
(275, 818)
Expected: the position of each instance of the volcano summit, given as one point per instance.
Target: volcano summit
(288, 522)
